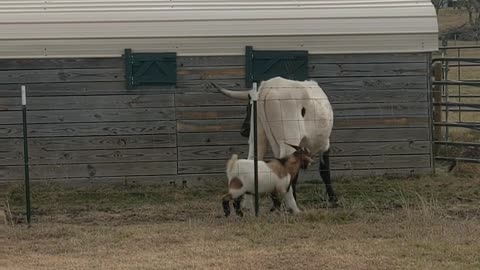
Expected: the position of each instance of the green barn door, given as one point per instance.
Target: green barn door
(264, 65)
(150, 69)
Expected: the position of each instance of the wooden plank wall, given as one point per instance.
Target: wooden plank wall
(85, 127)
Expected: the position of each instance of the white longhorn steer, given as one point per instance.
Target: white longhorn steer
(293, 112)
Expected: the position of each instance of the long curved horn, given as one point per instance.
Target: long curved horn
(232, 94)
(295, 147)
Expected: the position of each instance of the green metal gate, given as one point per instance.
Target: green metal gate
(456, 104)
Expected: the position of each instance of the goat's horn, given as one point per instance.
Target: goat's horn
(230, 93)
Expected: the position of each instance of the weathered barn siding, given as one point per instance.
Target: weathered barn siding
(84, 125)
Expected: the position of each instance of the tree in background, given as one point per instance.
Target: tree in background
(439, 4)
(467, 31)
(472, 7)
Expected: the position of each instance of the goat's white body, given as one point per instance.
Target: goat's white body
(268, 181)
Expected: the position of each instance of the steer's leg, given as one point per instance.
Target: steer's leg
(325, 174)
(294, 191)
(294, 186)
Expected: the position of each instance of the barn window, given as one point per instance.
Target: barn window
(150, 69)
(264, 65)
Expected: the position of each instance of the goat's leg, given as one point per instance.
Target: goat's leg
(277, 203)
(237, 205)
(276, 200)
(247, 202)
(325, 174)
(226, 204)
(290, 201)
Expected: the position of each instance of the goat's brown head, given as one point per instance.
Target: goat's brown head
(303, 155)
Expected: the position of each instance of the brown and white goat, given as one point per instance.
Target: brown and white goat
(273, 177)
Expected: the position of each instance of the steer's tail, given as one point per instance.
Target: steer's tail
(231, 163)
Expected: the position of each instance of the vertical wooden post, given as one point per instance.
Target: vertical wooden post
(437, 98)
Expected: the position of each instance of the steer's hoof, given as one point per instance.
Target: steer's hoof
(274, 208)
(333, 203)
(239, 213)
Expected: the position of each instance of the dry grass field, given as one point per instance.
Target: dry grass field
(418, 223)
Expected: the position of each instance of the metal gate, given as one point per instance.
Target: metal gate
(456, 104)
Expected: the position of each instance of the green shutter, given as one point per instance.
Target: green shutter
(264, 65)
(150, 69)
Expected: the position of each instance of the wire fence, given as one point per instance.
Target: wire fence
(295, 120)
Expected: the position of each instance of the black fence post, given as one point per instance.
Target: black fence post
(25, 154)
(255, 147)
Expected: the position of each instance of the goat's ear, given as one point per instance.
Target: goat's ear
(294, 147)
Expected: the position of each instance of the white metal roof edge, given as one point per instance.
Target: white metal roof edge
(336, 26)
(194, 48)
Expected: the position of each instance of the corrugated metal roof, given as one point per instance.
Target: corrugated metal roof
(62, 28)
